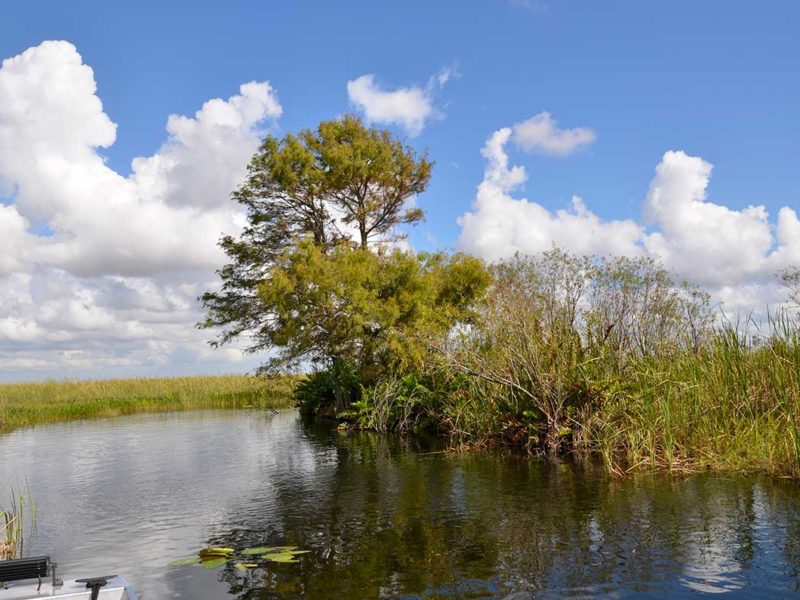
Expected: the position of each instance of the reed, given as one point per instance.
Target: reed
(25, 404)
(612, 357)
(733, 405)
(12, 524)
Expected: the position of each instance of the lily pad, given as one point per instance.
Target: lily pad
(281, 558)
(216, 556)
(284, 557)
(267, 550)
(216, 551)
(213, 563)
(182, 562)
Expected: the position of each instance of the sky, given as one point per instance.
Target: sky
(663, 129)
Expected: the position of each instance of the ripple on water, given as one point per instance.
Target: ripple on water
(383, 517)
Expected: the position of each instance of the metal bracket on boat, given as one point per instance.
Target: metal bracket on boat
(56, 581)
(95, 583)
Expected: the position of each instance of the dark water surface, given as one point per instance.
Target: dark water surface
(385, 517)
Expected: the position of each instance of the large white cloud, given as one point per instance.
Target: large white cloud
(735, 254)
(708, 242)
(500, 225)
(97, 268)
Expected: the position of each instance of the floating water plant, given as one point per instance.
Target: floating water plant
(249, 558)
(215, 552)
(286, 556)
(267, 550)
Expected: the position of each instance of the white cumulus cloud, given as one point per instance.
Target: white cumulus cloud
(500, 225)
(97, 268)
(735, 254)
(540, 133)
(710, 242)
(410, 107)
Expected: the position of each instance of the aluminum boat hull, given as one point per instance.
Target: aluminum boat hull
(116, 589)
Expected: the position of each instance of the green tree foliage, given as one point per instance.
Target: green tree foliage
(327, 185)
(366, 175)
(373, 310)
(313, 277)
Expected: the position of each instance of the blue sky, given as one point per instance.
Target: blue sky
(716, 80)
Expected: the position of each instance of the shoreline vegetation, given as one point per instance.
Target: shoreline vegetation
(569, 355)
(27, 404)
(17, 523)
(550, 353)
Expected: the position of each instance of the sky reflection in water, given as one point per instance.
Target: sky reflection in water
(386, 517)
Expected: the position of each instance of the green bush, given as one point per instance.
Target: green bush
(401, 404)
(329, 392)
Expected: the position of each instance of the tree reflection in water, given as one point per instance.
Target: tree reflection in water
(387, 517)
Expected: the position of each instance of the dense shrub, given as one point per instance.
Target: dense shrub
(328, 392)
(400, 404)
(556, 332)
(610, 356)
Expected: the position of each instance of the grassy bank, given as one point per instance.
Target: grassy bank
(25, 404)
(733, 405)
(606, 356)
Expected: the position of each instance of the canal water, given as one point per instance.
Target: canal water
(385, 517)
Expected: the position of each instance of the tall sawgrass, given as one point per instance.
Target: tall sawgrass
(732, 405)
(25, 404)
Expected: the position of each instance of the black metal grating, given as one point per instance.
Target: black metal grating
(16, 569)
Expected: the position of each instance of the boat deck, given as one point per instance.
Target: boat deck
(116, 589)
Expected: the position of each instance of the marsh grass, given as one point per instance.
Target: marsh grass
(25, 404)
(610, 357)
(12, 524)
(733, 405)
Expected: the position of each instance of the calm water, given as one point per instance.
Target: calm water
(386, 517)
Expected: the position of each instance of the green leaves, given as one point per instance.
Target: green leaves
(213, 563)
(267, 550)
(215, 552)
(182, 562)
(213, 557)
(368, 175)
(286, 556)
(373, 310)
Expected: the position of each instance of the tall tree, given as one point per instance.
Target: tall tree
(367, 175)
(340, 181)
